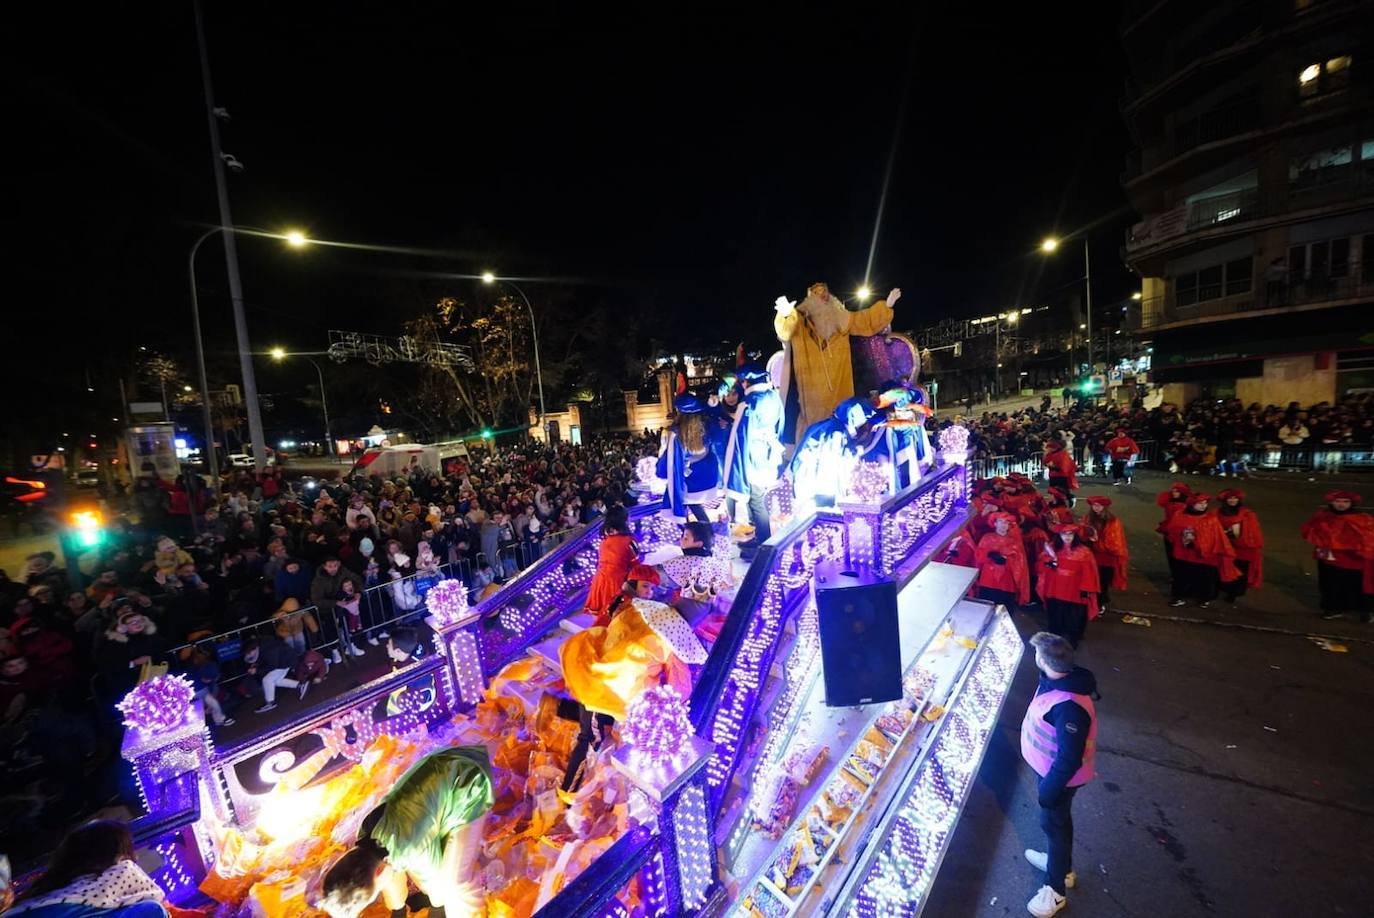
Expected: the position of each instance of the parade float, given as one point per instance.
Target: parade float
(749, 797)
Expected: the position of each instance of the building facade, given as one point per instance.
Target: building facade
(1254, 174)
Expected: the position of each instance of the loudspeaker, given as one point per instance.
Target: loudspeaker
(861, 647)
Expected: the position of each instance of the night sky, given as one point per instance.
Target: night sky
(686, 170)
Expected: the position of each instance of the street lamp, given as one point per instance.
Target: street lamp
(863, 293)
(1049, 245)
(280, 354)
(295, 239)
(489, 278)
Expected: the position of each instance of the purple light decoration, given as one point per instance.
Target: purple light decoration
(447, 601)
(646, 471)
(954, 443)
(162, 703)
(869, 482)
(657, 726)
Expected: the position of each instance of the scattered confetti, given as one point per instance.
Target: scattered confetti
(1231, 745)
(1136, 620)
(1271, 729)
(1330, 646)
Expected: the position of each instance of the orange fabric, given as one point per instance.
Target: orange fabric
(1348, 536)
(1107, 541)
(1249, 545)
(1074, 575)
(1013, 576)
(618, 553)
(1210, 544)
(607, 668)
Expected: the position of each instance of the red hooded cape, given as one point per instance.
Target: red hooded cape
(1014, 577)
(1249, 544)
(1210, 544)
(1108, 546)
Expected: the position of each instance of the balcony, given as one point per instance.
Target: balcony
(1353, 282)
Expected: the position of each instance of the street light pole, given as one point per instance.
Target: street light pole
(324, 405)
(1088, 284)
(534, 332)
(231, 259)
(200, 363)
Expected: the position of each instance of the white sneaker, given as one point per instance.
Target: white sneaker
(1046, 902)
(334, 656)
(1040, 860)
(372, 640)
(383, 635)
(356, 651)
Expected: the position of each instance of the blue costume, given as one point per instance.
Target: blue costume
(693, 478)
(906, 447)
(753, 456)
(827, 452)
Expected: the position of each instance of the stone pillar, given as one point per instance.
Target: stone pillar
(631, 408)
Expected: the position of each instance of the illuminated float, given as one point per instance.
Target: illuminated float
(751, 797)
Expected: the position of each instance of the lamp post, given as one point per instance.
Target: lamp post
(490, 278)
(294, 239)
(280, 354)
(1049, 245)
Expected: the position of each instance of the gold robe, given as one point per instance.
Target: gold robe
(821, 369)
(608, 668)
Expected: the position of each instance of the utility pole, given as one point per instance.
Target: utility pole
(1088, 284)
(231, 258)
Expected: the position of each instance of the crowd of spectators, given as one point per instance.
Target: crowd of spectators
(1207, 436)
(277, 563)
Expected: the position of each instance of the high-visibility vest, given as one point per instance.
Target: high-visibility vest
(1040, 746)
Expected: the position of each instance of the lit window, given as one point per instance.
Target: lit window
(1337, 64)
(1310, 73)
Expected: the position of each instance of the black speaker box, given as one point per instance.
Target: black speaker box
(861, 647)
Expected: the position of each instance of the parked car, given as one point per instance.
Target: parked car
(88, 478)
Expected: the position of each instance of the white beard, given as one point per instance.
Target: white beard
(827, 317)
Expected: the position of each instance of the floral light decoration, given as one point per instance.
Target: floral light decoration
(954, 442)
(869, 482)
(162, 703)
(646, 471)
(448, 602)
(656, 727)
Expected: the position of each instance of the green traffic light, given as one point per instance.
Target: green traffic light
(486, 433)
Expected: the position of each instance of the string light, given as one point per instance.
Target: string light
(162, 703)
(656, 727)
(447, 601)
(693, 831)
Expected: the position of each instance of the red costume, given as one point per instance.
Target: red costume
(1068, 584)
(617, 554)
(961, 550)
(1106, 539)
(1243, 529)
(1010, 575)
(1343, 544)
(1208, 544)
(1121, 447)
(1061, 465)
(1170, 505)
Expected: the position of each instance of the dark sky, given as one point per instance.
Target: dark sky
(690, 168)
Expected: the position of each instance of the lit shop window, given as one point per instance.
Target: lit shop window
(1324, 76)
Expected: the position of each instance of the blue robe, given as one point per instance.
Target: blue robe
(691, 479)
(821, 465)
(753, 457)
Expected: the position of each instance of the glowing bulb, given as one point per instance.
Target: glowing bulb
(1309, 73)
(1049, 245)
(864, 293)
(1136, 295)
(296, 239)
(488, 277)
(277, 353)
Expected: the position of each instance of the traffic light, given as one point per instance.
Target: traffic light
(486, 433)
(87, 527)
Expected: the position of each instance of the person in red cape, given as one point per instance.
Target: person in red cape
(1068, 584)
(1123, 450)
(1343, 543)
(617, 553)
(1001, 560)
(1033, 538)
(1172, 501)
(1057, 508)
(1203, 555)
(962, 549)
(1022, 495)
(1247, 538)
(1106, 539)
(1063, 470)
(981, 524)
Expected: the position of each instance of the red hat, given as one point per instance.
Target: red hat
(999, 480)
(1065, 527)
(1342, 495)
(1104, 501)
(1232, 492)
(1180, 486)
(642, 572)
(991, 502)
(1002, 515)
(1195, 498)
(1059, 493)
(1018, 476)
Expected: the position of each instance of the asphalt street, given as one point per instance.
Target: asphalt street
(1234, 751)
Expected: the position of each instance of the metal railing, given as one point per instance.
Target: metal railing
(1318, 457)
(1089, 463)
(1349, 280)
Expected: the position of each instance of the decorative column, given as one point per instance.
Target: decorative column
(456, 638)
(168, 745)
(665, 762)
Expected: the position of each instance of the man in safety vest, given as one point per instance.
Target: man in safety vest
(1058, 741)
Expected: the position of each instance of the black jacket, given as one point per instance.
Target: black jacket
(1071, 724)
